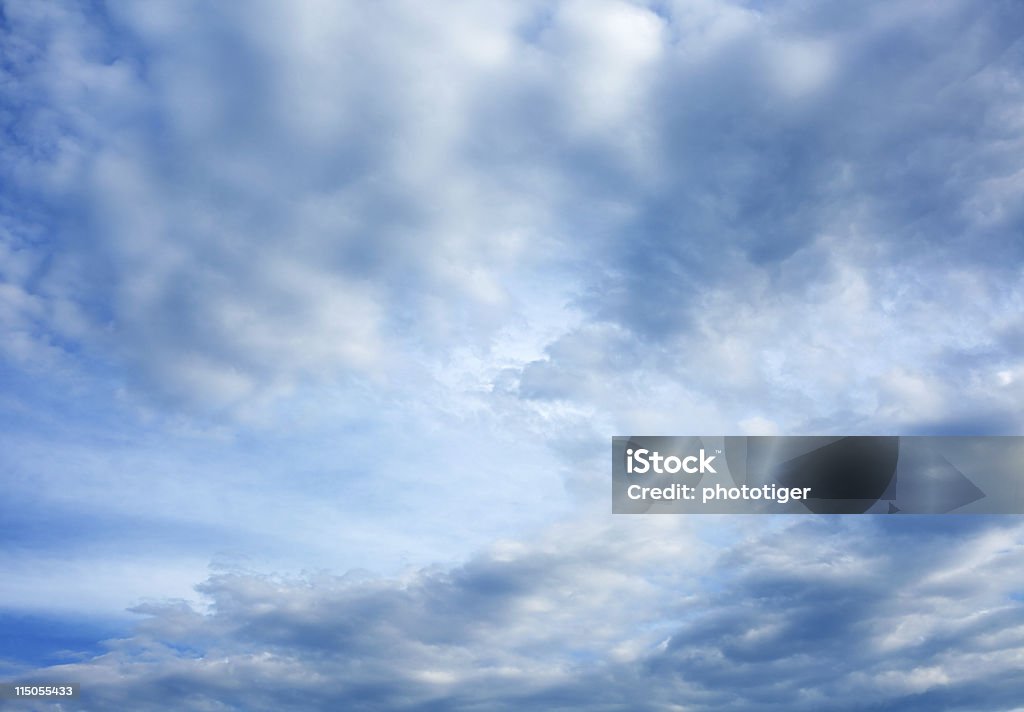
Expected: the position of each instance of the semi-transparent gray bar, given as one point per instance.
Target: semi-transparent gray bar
(39, 691)
(817, 475)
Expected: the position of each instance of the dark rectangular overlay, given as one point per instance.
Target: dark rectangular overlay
(818, 474)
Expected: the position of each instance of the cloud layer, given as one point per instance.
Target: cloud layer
(834, 612)
(369, 286)
(276, 198)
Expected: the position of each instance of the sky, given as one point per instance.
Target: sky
(317, 319)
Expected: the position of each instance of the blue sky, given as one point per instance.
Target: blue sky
(318, 317)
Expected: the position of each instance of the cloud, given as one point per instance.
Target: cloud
(807, 254)
(275, 200)
(803, 613)
(371, 285)
(238, 210)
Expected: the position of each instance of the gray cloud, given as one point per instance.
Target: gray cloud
(793, 615)
(813, 255)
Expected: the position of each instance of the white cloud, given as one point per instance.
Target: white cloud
(279, 198)
(371, 285)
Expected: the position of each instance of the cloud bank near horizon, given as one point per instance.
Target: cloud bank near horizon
(802, 614)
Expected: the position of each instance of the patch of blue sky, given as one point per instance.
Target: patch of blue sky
(37, 640)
